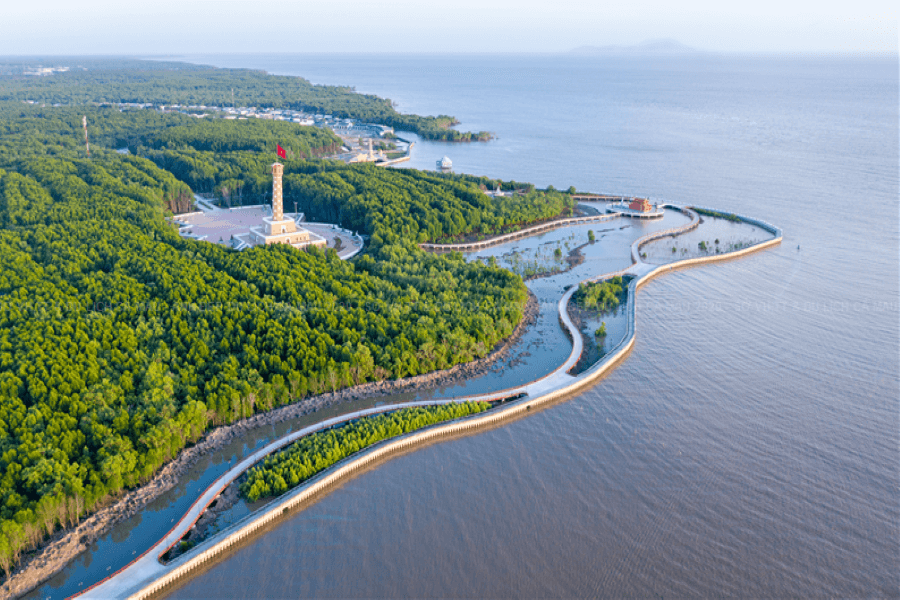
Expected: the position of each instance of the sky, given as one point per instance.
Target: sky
(162, 27)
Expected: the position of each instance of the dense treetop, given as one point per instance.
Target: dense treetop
(122, 128)
(121, 342)
(314, 453)
(601, 296)
(168, 83)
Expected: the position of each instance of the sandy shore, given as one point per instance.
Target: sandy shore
(65, 545)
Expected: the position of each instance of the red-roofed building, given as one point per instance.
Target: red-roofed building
(641, 204)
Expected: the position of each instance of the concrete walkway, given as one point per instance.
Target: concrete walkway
(204, 205)
(146, 569)
(231, 227)
(515, 235)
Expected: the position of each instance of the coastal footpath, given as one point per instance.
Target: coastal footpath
(515, 235)
(147, 576)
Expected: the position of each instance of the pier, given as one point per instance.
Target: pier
(527, 232)
(600, 198)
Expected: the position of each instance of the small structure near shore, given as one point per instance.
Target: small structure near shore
(638, 207)
(641, 204)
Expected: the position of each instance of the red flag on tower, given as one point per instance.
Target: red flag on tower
(281, 152)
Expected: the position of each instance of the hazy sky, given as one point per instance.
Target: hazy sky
(200, 26)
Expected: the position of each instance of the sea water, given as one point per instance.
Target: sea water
(748, 445)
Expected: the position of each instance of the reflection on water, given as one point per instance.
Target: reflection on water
(541, 349)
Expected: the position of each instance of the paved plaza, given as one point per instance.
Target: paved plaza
(223, 226)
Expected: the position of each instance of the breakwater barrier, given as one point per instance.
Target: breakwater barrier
(522, 233)
(145, 577)
(601, 197)
(672, 231)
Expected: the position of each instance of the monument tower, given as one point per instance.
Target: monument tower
(278, 225)
(277, 200)
(277, 229)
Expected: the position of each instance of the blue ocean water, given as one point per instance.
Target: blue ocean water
(748, 445)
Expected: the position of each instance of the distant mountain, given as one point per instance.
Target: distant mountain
(646, 48)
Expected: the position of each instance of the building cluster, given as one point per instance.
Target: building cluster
(640, 204)
(338, 125)
(44, 71)
(361, 155)
(347, 129)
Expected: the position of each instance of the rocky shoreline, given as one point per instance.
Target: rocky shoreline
(65, 545)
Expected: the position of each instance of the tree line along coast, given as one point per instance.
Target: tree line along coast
(121, 342)
(96, 80)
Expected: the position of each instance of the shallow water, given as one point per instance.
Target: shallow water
(540, 350)
(718, 236)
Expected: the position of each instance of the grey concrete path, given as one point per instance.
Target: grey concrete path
(205, 205)
(522, 233)
(146, 569)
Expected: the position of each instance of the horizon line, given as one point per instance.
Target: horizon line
(603, 52)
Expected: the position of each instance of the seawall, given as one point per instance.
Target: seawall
(526, 232)
(152, 578)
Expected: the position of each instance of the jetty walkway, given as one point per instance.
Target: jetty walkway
(515, 235)
(601, 197)
(146, 575)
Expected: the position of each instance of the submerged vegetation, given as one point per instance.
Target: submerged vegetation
(717, 214)
(546, 259)
(601, 296)
(591, 302)
(318, 451)
(702, 248)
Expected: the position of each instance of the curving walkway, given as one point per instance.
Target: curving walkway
(515, 235)
(146, 575)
